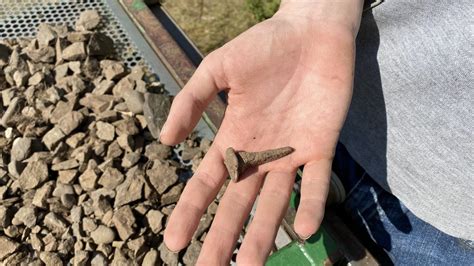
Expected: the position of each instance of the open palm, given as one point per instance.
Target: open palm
(289, 83)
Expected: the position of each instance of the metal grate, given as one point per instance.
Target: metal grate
(20, 18)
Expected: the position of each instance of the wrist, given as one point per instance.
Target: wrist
(340, 13)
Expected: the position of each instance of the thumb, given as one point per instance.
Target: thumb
(192, 100)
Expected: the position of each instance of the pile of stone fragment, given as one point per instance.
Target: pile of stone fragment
(83, 180)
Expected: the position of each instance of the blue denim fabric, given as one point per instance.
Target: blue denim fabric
(383, 219)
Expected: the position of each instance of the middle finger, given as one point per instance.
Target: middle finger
(233, 210)
(272, 205)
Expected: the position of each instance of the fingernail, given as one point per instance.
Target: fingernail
(172, 251)
(163, 131)
(304, 238)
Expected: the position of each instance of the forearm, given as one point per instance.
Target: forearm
(346, 13)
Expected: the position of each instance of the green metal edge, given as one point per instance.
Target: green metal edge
(314, 251)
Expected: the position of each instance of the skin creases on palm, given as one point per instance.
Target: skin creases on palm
(282, 91)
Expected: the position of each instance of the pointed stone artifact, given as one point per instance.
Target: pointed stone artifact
(238, 162)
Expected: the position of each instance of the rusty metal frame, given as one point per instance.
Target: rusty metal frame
(170, 53)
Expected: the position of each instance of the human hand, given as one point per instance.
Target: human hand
(289, 82)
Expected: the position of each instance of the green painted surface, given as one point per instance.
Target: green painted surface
(314, 251)
(294, 200)
(138, 5)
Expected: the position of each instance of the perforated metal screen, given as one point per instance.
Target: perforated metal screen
(21, 18)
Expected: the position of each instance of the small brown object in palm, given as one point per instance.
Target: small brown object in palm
(238, 162)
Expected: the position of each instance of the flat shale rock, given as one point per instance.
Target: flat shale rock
(157, 151)
(35, 173)
(76, 139)
(168, 257)
(72, 84)
(127, 126)
(5, 217)
(55, 223)
(5, 52)
(104, 87)
(50, 259)
(111, 178)
(212, 209)
(75, 51)
(88, 180)
(172, 196)
(126, 142)
(44, 54)
(97, 103)
(124, 221)
(155, 222)
(137, 246)
(129, 191)
(99, 260)
(21, 77)
(101, 206)
(3, 189)
(75, 66)
(70, 121)
(52, 138)
(65, 165)
(48, 242)
(10, 112)
(80, 258)
(162, 176)
(62, 108)
(91, 68)
(25, 215)
(204, 224)
(20, 257)
(155, 110)
(45, 34)
(89, 225)
(36, 79)
(130, 159)
(125, 85)
(7, 247)
(36, 242)
(78, 36)
(62, 189)
(100, 44)
(88, 20)
(192, 253)
(114, 70)
(120, 259)
(67, 176)
(113, 151)
(103, 235)
(15, 168)
(151, 258)
(105, 131)
(134, 101)
(42, 194)
(21, 149)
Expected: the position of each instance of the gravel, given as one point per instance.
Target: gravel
(7, 246)
(83, 178)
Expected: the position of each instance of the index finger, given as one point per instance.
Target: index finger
(188, 105)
